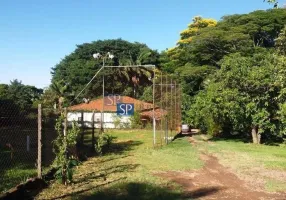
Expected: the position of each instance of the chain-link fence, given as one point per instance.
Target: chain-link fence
(26, 146)
(18, 144)
(49, 134)
(150, 101)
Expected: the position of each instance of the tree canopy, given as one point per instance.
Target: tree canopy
(79, 67)
(231, 71)
(22, 95)
(231, 74)
(245, 95)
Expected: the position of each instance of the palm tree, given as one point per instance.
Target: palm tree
(60, 89)
(140, 72)
(134, 75)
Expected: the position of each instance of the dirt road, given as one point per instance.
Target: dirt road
(215, 181)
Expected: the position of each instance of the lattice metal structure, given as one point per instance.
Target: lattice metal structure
(138, 97)
(167, 96)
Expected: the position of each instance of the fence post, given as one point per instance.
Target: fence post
(92, 139)
(39, 141)
(154, 120)
(166, 133)
(28, 143)
(64, 176)
(82, 128)
(65, 124)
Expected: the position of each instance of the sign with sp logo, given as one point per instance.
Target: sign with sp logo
(112, 99)
(125, 109)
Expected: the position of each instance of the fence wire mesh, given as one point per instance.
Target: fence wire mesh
(131, 106)
(49, 134)
(18, 144)
(145, 102)
(167, 97)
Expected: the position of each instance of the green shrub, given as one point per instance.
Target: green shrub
(103, 143)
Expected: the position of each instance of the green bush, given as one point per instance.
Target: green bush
(136, 121)
(103, 143)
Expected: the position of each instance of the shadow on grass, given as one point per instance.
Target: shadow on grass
(85, 151)
(138, 191)
(78, 193)
(202, 192)
(274, 141)
(122, 147)
(181, 135)
(226, 139)
(104, 173)
(16, 169)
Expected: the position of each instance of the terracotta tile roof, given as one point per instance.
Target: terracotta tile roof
(110, 104)
(159, 113)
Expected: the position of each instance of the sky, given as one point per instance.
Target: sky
(35, 35)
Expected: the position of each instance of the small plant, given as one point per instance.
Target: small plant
(103, 143)
(116, 121)
(65, 174)
(136, 120)
(63, 161)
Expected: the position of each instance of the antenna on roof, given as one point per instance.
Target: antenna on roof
(85, 100)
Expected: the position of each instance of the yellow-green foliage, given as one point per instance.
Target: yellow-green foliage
(194, 27)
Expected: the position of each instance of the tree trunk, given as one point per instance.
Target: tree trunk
(61, 101)
(258, 138)
(255, 135)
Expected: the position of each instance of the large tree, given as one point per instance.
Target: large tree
(23, 95)
(3, 91)
(280, 42)
(207, 45)
(244, 96)
(197, 58)
(79, 67)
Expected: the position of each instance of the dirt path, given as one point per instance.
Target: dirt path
(215, 181)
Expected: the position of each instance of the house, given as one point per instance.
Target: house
(91, 112)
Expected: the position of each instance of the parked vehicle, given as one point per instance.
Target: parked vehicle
(185, 129)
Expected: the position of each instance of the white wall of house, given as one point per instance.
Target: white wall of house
(111, 120)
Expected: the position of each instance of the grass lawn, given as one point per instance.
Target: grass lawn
(14, 171)
(128, 171)
(22, 165)
(266, 165)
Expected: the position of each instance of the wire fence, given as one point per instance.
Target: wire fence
(22, 153)
(18, 144)
(48, 135)
(27, 135)
(167, 95)
(158, 108)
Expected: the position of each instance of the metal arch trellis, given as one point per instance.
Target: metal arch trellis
(166, 93)
(154, 77)
(103, 92)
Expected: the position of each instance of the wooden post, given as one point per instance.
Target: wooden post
(171, 107)
(65, 128)
(82, 128)
(154, 120)
(92, 139)
(167, 137)
(176, 117)
(39, 141)
(65, 123)
(167, 109)
(28, 143)
(64, 176)
(162, 110)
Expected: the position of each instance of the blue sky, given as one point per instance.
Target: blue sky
(35, 35)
